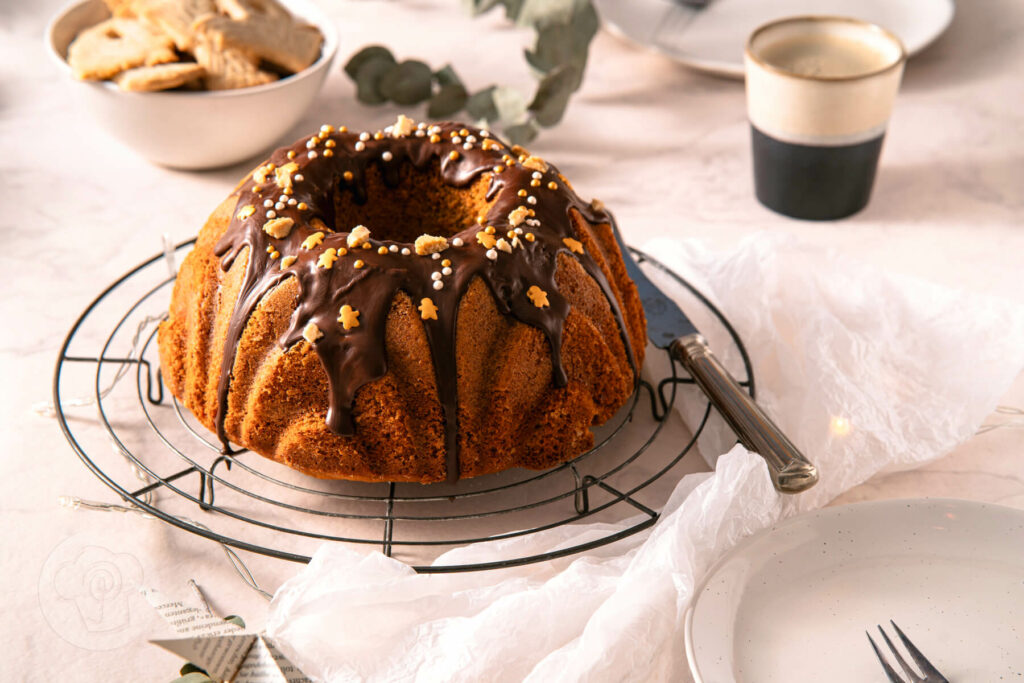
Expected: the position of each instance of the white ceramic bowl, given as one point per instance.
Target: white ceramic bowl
(194, 130)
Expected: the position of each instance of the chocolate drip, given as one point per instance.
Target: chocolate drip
(352, 358)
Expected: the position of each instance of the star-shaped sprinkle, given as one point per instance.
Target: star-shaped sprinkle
(349, 317)
(313, 241)
(538, 296)
(574, 245)
(428, 311)
(327, 258)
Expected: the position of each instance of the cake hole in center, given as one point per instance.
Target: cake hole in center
(421, 202)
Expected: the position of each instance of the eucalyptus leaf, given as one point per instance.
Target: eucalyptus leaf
(553, 94)
(522, 133)
(547, 12)
(480, 105)
(194, 677)
(512, 7)
(409, 82)
(368, 80)
(510, 105)
(446, 101)
(190, 668)
(563, 31)
(371, 53)
(447, 76)
(236, 620)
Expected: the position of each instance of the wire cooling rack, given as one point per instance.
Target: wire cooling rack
(140, 432)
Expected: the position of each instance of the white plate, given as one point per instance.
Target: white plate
(792, 603)
(712, 39)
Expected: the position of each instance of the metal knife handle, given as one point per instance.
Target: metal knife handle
(791, 472)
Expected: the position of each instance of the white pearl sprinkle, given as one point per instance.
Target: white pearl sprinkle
(299, 177)
(457, 242)
(310, 144)
(360, 146)
(311, 154)
(537, 175)
(364, 137)
(279, 205)
(484, 134)
(446, 271)
(519, 231)
(468, 146)
(438, 284)
(421, 133)
(471, 138)
(456, 139)
(393, 249)
(387, 156)
(271, 214)
(283, 198)
(491, 254)
(268, 203)
(435, 256)
(421, 125)
(435, 275)
(531, 200)
(405, 251)
(292, 202)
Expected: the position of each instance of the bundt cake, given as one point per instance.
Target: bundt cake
(422, 303)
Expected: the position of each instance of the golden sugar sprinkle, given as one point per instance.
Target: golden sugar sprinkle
(311, 332)
(359, 236)
(486, 240)
(278, 228)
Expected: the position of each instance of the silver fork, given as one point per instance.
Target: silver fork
(930, 673)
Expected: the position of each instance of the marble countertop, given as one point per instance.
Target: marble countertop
(667, 148)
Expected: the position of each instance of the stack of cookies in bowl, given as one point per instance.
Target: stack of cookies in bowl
(150, 45)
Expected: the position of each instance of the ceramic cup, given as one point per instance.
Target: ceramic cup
(819, 94)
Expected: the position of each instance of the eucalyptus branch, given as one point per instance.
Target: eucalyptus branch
(563, 30)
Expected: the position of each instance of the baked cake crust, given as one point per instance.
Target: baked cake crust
(422, 304)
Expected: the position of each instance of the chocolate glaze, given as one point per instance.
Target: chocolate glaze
(355, 357)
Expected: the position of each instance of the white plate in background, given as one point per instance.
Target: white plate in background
(712, 39)
(792, 603)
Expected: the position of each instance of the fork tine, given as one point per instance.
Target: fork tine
(893, 676)
(922, 662)
(899, 659)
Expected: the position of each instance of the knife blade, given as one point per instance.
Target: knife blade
(669, 328)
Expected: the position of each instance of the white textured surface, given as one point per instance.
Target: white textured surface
(668, 150)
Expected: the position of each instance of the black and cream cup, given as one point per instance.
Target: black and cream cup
(819, 94)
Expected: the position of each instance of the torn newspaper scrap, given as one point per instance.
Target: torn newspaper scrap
(226, 651)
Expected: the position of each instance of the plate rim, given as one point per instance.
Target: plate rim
(826, 512)
(735, 71)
